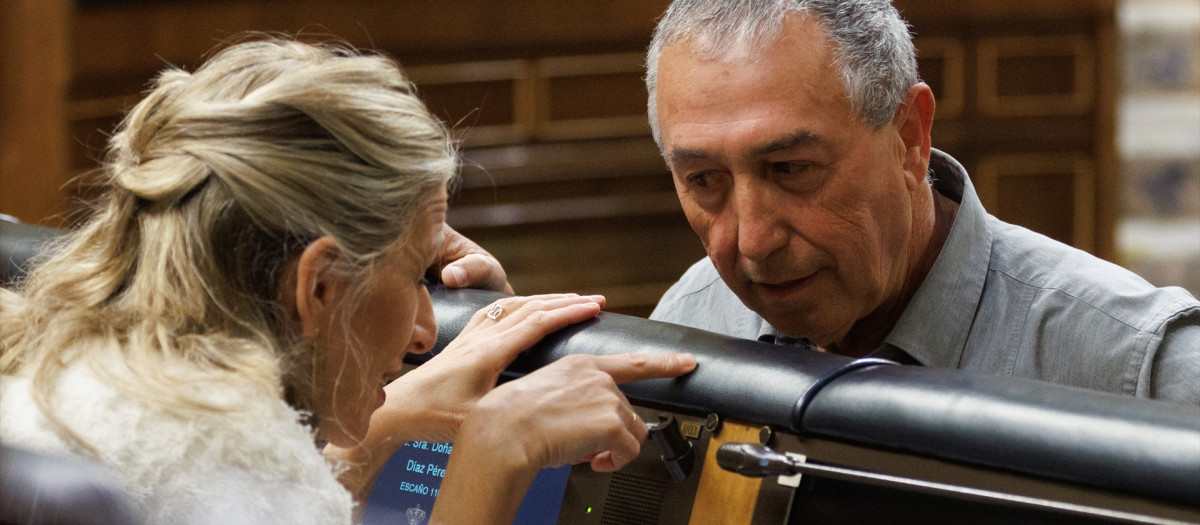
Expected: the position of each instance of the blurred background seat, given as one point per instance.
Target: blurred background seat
(19, 243)
(43, 489)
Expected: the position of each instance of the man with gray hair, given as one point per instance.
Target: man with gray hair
(798, 136)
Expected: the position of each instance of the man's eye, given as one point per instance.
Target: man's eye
(788, 168)
(699, 180)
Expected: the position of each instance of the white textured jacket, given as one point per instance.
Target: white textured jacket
(257, 465)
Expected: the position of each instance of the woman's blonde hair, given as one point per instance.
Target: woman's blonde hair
(213, 182)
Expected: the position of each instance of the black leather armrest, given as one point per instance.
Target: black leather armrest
(749, 380)
(1130, 445)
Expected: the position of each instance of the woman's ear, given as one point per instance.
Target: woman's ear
(318, 285)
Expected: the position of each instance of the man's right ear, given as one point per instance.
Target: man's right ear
(318, 285)
(915, 123)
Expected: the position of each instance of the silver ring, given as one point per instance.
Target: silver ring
(495, 312)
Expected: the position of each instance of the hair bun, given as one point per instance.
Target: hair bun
(163, 179)
(143, 154)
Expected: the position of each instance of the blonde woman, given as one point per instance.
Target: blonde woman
(219, 334)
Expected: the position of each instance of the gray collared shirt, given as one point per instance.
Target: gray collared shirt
(1002, 299)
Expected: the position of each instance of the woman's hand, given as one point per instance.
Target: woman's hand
(429, 402)
(572, 411)
(567, 412)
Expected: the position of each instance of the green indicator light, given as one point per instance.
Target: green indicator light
(589, 510)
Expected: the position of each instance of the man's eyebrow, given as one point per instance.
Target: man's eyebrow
(684, 154)
(792, 140)
(789, 141)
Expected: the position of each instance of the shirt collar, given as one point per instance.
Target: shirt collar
(768, 334)
(934, 326)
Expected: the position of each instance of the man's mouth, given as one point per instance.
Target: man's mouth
(781, 288)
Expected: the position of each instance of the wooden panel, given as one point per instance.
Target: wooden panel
(33, 82)
(629, 260)
(547, 99)
(593, 217)
(941, 62)
(1051, 194)
(1106, 157)
(1037, 80)
(444, 31)
(88, 140)
(484, 102)
(592, 96)
(988, 12)
(723, 497)
(1035, 76)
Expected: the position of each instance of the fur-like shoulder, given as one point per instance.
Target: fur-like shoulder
(255, 464)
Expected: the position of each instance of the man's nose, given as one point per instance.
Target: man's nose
(758, 212)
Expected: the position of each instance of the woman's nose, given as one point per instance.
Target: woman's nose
(425, 330)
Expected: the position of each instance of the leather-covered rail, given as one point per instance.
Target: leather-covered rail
(1136, 446)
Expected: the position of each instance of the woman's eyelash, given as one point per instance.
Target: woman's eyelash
(432, 276)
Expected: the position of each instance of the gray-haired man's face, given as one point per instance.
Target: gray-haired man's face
(805, 211)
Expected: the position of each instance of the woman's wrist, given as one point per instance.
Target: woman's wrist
(486, 477)
(410, 412)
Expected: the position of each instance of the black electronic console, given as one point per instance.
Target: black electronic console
(766, 435)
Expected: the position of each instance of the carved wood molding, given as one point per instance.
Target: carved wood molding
(949, 52)
(993, 79)
(993, 170)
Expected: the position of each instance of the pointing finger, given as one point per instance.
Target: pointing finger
(635, 367)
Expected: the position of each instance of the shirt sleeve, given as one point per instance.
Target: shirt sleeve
(1175, 368)
(701, 300)
(668, 306)
(678, 305)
